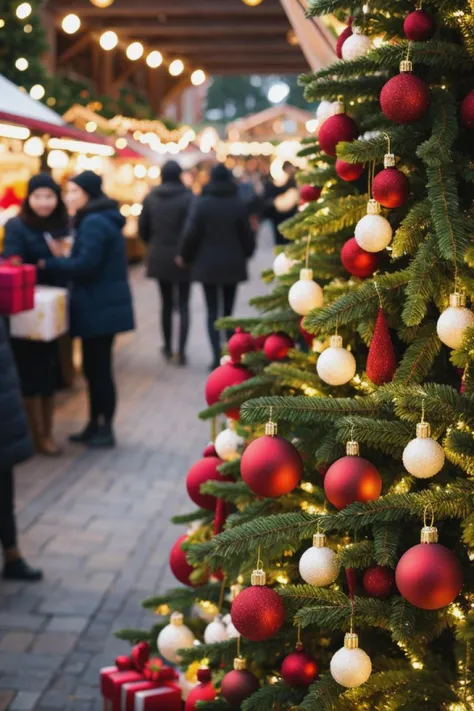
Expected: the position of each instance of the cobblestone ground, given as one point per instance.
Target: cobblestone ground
(98, 523)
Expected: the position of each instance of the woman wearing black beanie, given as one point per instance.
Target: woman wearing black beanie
(42, 217)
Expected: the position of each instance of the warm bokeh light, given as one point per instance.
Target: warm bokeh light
(154, 59)
(121, 143)
(23, 10)
(252, 3)
(71, 24)
(135, 51)
(176, 68)
(108, 40)
(198, 77)
(102, 3)
(34, 146)
(91, 126)
(37, 92)
(21, 64)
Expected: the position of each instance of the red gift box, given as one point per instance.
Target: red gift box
(157, 676)
(165, 698)
(29, 283)
(129, 691)
(11, 290)
(111, 682)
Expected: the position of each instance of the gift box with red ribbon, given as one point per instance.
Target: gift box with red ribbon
(161, 699)
(29, 283)
(17, 287)
(157, 677)
(126, 670)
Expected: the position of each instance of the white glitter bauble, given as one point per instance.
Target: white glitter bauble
(232, 631)
(423, 457)
(173, 637)
(350, 666)
(216, 631)
(356, 46)
(305, 295)
(318, 565)
(336, 365)
(453, 322)
(373, 233)
(326, 109)
(282, 264)
(227, 444)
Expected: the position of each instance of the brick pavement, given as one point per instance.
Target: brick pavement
(98, 522)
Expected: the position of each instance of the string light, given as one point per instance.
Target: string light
(198, 77)
(121, 143)
(102, 3)
(135, 51)
(37, 92)
(252, 3)
(176, 68)
(91, 126)
(71, 24)
(23, 10)
(2, 22)
(108, 40)
(154, 59)
(22, 64)
(27, 29)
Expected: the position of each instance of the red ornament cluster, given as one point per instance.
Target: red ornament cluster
(239, 344)
(379, 581)
(204, 470)
(271, 466)
(277, 346)
(349, 171)
(238, 685)
(405, 98)
(357, 261)
(179, 565)
(225, 376)
(351, 479)
(309, 193)
(204, 691)
(390, 188)
(419, 26)
(299, 668)
(258, 613)
(334, 130)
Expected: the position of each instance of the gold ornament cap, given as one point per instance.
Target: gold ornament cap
(306, 275)
(352, 448)
(339, 108)
(373, 207)
(319, 540)
(423, 430)
(259, 578)
(429, 534)
(177, 619)
(335, 342)
(389, 160)
(240, 664)
(457, 300)
(406, 66)
(235, 590)
(271, 429)
(351, 640)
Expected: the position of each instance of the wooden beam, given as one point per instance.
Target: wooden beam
(181, 48)
(190, 30)
(74, 48)
(184, 8)
(129, 71)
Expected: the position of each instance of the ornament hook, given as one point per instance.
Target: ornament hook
(221, 594)
(425, 514)
(259, 560)
(378, 293)
(423, 409)
(308, 243)
(298, 636)
(238, 647)
(388, 142)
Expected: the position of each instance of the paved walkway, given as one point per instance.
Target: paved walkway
(98, 523)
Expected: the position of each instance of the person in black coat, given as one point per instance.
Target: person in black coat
(100, 298)
(42, 217)
(161, 224)
(15, 447)
(217, 242)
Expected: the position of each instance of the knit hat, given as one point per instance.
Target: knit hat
(221, 174)
(90, 182)
(171, 172)
(43, 180)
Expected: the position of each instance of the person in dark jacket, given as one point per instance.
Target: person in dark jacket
(217, 242)
(161, 224)
(271, 193)
(15, 447)
(100, 297)
(42, 217)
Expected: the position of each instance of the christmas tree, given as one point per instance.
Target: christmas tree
(373, 459)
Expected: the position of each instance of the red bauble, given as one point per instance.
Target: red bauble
(271, 466)
(381, 361)
(379, 581)
(204, 470)
(238, 685)
(277, 346)
(341, 39)
(239, 344)
(209, 450)
(260, 342)
(357, 261)
(352, 479)
(309, 193)
(225, 376)
(334, 130)
(179, 565)
(467, 110)
(429, 576)
(391, 188)
(307, 336)
(299, 669)
(258, 613)
(204, 691)
(419, 26)
(405, 98)
(349, 171)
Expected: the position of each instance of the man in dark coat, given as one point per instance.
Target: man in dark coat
(217, 242)
(161, 223)
(15, 447)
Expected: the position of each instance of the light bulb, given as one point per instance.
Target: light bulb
(252, 3)
(135, 51)
(198, 77)
(91, 126)
(154, 59)
(176, 67)
(102, 3)
(23, 10)
(22, 64)
(37, 92)
(108, 40)
(34, 146)
(71, 24)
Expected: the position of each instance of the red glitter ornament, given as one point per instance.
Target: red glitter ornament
(379, 581)
(225, 376)
(467, 110)
(260, 342)
(352, 478)
(239, 344)
(209, 450)
(429, 575)
(390, 188)
(357, 261)
(405, 98)
(419, 26)
(307, 336)
(309, 193)
(179, 564)
(334, 130)
(341, 39)
(349, 171)
(238, 684)
(204, 470)
(277, 346)
(271, 466)
(258, 612)
(299, 668)
(204, 691)
(381, 361)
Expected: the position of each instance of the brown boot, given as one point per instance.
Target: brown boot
(48, 445)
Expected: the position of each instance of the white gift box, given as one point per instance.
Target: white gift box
(47, 321)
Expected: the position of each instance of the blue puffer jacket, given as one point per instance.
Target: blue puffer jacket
(101, 301)
(15, 442)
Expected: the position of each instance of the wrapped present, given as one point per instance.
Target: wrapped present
(11, 289)
(49, 318)
(127, 670)
(29, 283)
(164, 698)
(156, 676)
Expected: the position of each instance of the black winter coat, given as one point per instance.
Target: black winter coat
(15, 442)
(161, 224)
(218, 239)
(100, 299)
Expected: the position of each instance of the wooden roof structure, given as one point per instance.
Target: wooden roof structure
(222, 37)
(276, 122)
